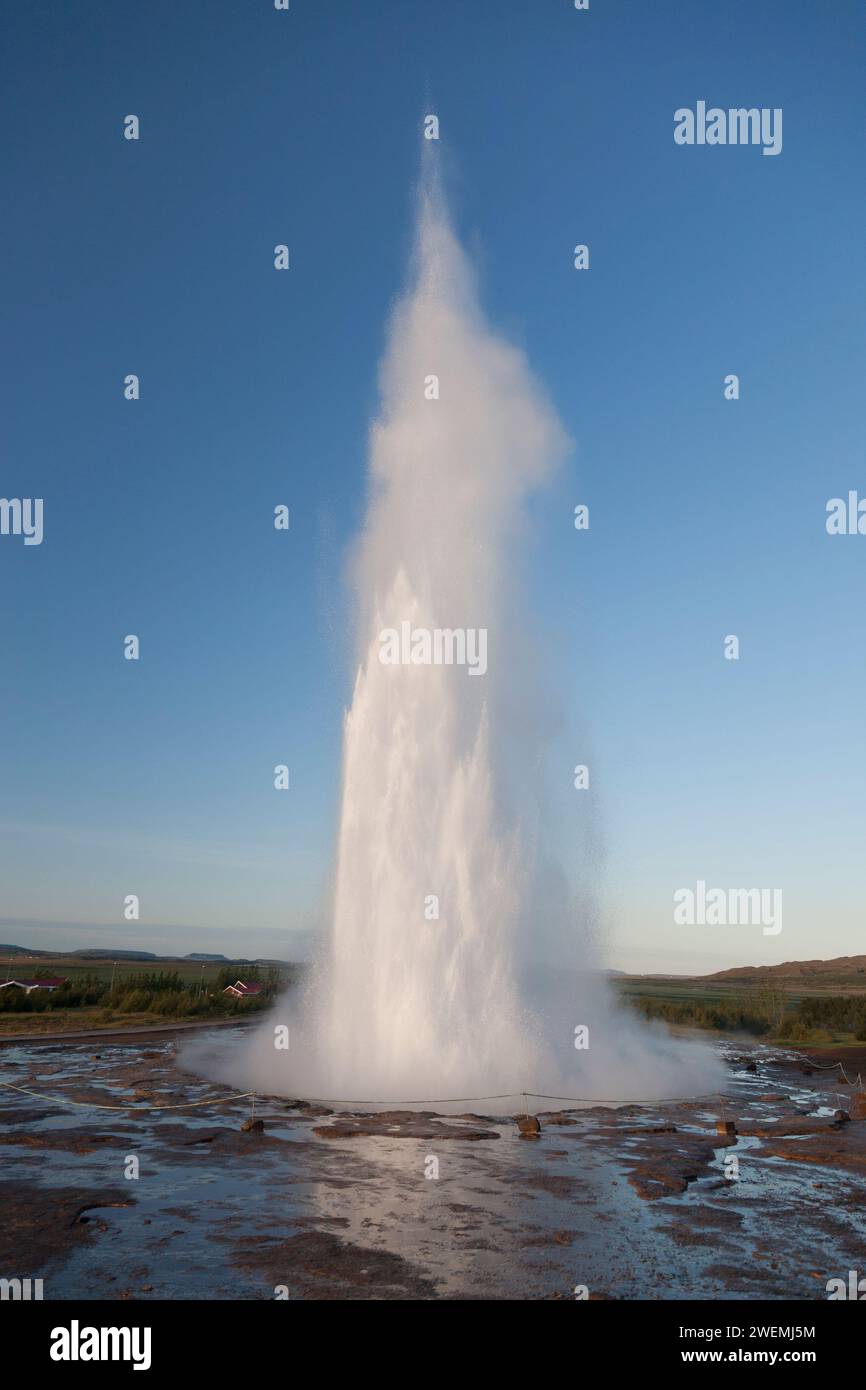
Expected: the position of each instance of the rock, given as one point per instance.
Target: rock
(348, 1130)
(841, 1117)
(400, 1124)
(528, 1126)
(725, 1127)
(750, 1066)
(649, 1129)
(253, 1126)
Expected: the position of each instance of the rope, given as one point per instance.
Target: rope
(319, 1100)
(506, 1095)
(95, 1105)
(829, 1067)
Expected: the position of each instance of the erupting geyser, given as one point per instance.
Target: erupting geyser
(416, 994)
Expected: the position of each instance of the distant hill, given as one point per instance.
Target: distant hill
(839, 975)
(98, 954)
(8, 952)
(814, 971)
(89, 953)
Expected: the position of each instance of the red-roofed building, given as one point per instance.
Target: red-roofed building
(241, 990)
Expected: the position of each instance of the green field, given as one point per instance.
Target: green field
(828, 1010)
(128, 993)
(100, 994)
(74, 968)
(680, 989)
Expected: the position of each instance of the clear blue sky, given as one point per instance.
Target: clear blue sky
(707, 516)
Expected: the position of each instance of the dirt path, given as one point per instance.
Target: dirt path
(156, 1030)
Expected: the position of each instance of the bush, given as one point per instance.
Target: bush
(156, 982)
(84, 992)
(169, 1002)
(736, 1015)
(134, 1001)
(764, 1011)
(794, 1029)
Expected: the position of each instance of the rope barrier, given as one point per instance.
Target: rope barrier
(829, 1067)
(321, 1100)
(441, 1100)
(506, 1095)
(96, 1105)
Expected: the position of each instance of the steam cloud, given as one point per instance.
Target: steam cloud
(401, 1005)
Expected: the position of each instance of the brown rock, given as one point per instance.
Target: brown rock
(725, 1127)
(253, 1126)
(529, 1126)
(400, 1124)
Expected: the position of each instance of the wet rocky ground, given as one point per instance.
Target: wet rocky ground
(652, 1201)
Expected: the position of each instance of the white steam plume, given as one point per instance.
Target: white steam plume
(403, 1006)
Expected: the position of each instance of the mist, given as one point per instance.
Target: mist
(457, 964)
